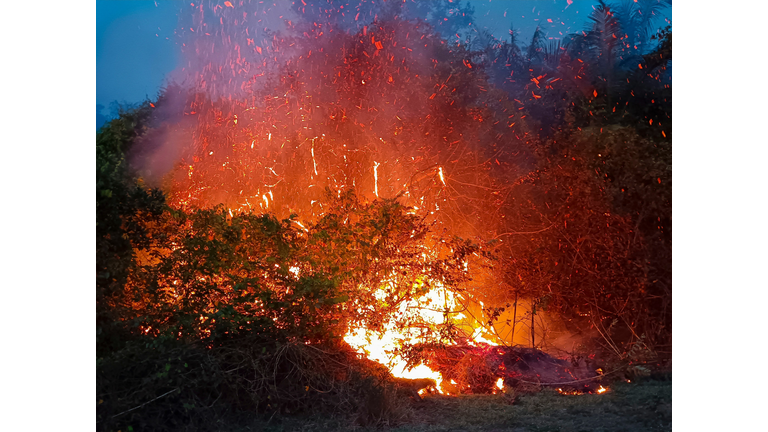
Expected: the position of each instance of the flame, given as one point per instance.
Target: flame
(600, 390)
(381, 346)
(264, 137)
(500, 383)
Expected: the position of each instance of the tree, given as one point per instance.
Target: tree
(575, 247)
(122, 206)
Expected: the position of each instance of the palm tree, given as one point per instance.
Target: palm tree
(533, 52)
(639, 19)
(603, 40)
(553, 53)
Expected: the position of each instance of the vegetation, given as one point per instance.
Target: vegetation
(214, 320)
(645, 406)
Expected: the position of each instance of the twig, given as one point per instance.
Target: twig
(571, 382)
(524, 232)
(135, 408)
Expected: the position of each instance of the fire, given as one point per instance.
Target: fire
(381, 346)
(600, 390)
(274, 122)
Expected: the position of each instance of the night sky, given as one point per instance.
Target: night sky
(136, 49)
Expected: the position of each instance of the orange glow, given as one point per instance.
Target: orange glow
(263, 164)
(376, 178)
(380, 346)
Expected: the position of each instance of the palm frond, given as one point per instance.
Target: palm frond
(646, 16)
(512, 35)
(553, 52)
(603, 36)
(536, 45)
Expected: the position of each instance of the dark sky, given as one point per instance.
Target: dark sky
(136, 48)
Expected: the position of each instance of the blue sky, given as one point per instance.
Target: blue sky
(136, 48)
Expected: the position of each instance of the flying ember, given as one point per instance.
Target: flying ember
(378, 106)
(372, 209)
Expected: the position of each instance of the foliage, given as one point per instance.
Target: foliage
(614, 71)
(171, 385)
(212, 275)
(258, 306)
(595, 261)
(123, 203)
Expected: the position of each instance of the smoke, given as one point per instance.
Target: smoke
(267, 119)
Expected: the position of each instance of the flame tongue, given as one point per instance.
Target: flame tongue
(381, 346)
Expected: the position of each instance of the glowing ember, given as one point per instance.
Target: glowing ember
(500, 383)
(376, 178)
(299, 116)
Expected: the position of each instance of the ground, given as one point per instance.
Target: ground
(631, 407)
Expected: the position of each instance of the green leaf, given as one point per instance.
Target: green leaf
(339, 299)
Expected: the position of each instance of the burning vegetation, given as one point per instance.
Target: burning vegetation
(377, 202)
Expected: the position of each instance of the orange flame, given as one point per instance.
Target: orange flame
(381, 346)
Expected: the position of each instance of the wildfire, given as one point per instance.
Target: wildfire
(277, 121)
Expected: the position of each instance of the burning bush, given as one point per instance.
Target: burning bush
(245, 312)
(211, 275)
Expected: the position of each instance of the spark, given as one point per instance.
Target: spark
(313, 156)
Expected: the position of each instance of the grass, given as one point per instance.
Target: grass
(639, 406)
